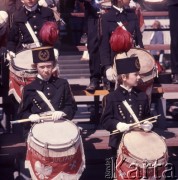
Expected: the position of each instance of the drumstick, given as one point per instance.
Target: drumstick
(154, 117)
(117, 131)
(27, 120)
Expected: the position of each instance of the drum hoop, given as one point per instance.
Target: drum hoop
(22, 69)
(23, 73)
(131, 155)
(56, 146)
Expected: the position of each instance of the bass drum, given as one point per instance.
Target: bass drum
(153, 5)
(21, 73)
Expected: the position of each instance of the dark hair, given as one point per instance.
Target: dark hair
(119, 78)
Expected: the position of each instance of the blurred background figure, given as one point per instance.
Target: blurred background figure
(157, 37)
(92, 18)
(173, 16)
(3, 68)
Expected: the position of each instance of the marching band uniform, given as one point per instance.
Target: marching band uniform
(19, 35)
(109, 23)
(115, 115)
(56, 90)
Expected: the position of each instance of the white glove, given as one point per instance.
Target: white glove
(132, 4)
(43, 3)
(147, 126)
(122, 127)
(10, 55)
(34, 118)
(111, 74)
(57, 115)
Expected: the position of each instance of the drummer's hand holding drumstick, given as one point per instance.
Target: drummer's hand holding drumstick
(10, 55)
(57, 115)
(122, 127)
(146, 126)
(35, 118)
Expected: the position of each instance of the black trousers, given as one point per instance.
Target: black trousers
(93, 42)
(173, 15)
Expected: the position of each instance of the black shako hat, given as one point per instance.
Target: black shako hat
(127, 65)
(43, 54)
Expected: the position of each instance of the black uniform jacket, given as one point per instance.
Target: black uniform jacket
(172, 2)
(57, 90)
(114, 110)
(19, 33)
(109, 24)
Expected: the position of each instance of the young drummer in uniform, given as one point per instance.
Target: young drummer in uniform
(56, 90)
(19, 35)
(115, 115)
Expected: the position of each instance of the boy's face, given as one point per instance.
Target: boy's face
(29, 3)
(132, 79)
(45, 69)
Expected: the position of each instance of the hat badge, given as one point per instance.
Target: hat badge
(137, 64)
(44, 55)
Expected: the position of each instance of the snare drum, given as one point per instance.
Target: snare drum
(55, 151)
(141, 155)
(21, 73)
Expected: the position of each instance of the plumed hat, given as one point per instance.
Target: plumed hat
(120, 40)
(49, 33)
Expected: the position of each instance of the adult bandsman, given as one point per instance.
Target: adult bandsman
(46, 93)
(26, 25)
(117, 16)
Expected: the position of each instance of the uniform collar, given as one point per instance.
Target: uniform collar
(35, 8)
(127, 89)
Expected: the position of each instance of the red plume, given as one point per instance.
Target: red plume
(49, 33)
(121, 40)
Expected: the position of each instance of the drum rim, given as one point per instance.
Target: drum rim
(56, 146)
(138, 158)
(22, 69)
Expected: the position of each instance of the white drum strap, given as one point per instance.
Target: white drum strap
(35, 39)
(45, 99)
(130, 110)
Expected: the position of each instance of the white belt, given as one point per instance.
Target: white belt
(29, 46)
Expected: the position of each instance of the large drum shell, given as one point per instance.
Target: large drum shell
(21, 73)
(55, 151)
(137, 150)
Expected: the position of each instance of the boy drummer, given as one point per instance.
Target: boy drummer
(58, 96)
(115, 115)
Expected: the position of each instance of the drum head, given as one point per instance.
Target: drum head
(145, 145)
(23, 60)
(56, 135)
